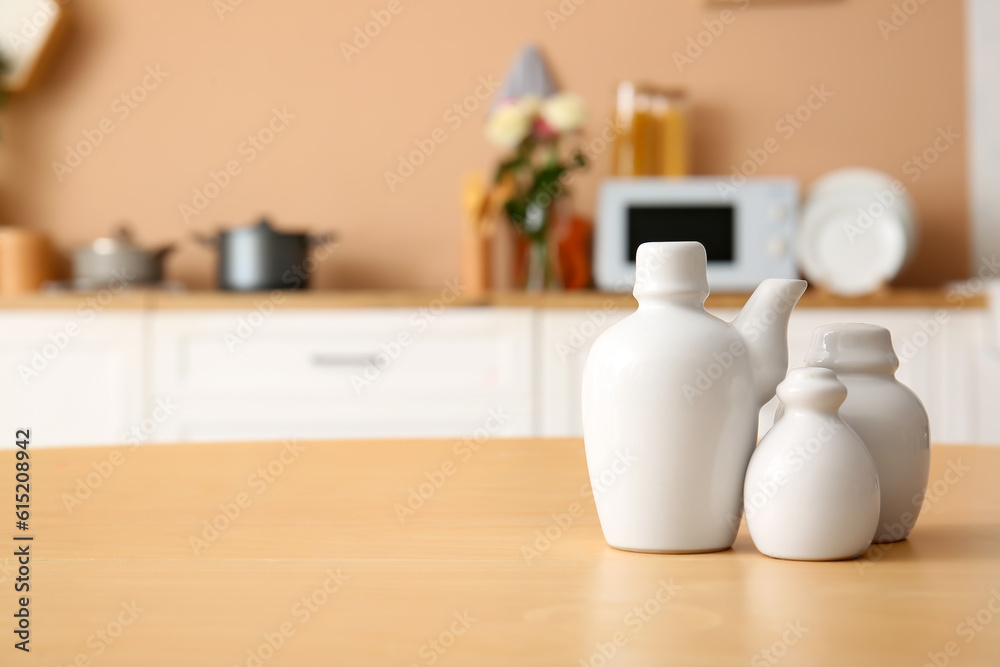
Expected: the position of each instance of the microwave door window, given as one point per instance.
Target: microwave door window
(712, 226)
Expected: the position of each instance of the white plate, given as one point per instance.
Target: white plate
(857, 233)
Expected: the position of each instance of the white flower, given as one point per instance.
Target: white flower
(534, 217)
(564, 112)
(530, 104)
(509, 124)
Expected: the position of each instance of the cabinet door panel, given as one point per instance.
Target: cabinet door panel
(70, 380)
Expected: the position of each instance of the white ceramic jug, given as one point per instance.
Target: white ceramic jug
(887, 415)
(671, 396)
(811, 490)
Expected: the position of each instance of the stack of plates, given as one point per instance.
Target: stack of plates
(858, 231)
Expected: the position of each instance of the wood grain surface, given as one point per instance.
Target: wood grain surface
(458, 553)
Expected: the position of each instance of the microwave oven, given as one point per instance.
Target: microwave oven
(748, 231)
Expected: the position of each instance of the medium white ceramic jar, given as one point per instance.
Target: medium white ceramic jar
(885, 413)
(811, 489)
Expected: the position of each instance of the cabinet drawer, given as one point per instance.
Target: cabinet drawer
(375, 373)
(341, 354)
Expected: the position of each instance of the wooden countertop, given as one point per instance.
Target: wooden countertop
(501, 562)
(199, 300)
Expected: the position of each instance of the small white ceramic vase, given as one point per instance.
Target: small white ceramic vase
(887, 415)
(811, 490)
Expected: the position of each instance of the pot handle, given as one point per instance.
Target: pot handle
(210, 241)
(321, 239)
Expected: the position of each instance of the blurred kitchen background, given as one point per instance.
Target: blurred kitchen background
(369, 133)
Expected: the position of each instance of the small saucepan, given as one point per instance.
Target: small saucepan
(118, 258)
(258, 257)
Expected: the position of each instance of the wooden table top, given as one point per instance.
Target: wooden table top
(320, 555)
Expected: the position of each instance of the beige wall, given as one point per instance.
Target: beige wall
(325, 170)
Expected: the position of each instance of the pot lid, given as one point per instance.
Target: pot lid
(262, 226)
(120, 241)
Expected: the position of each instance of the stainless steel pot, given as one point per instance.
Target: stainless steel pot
(117, 259)
(259, 257)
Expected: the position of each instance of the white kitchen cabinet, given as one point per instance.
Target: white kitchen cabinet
(986, 375)
(939, 360)
(230, 374)
(72, 377)
(297, 373)
(565, 337)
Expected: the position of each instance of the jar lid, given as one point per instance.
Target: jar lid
(671, 267)
(808, 388)
(853, 348)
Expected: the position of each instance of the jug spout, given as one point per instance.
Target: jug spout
(763, 325)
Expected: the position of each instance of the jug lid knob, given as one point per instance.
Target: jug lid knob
(671, 267)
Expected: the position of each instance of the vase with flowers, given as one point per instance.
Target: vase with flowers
(533, 177)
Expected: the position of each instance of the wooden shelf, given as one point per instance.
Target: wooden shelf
(211, 300)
